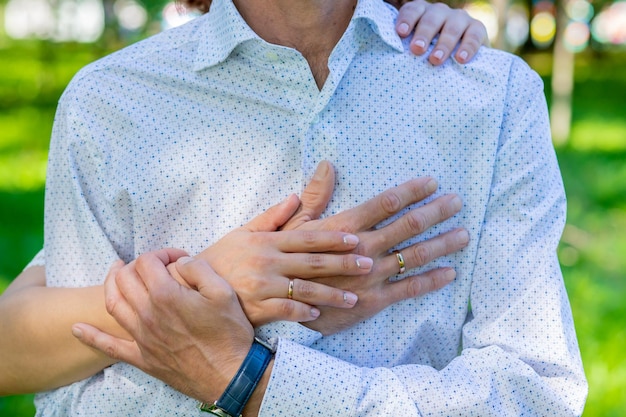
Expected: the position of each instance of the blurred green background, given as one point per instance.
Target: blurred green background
(592, 154)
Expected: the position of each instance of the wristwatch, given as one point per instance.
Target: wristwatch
(240, 388)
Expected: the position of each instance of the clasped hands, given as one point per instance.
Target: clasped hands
(183, 311)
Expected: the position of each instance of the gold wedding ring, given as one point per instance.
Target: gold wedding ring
(400, 261)
(290, 290)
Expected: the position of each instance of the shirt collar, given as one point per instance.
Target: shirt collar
(221, 32)
(223, 29)
(381, 19)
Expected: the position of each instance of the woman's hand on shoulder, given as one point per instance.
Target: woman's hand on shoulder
(453, 26)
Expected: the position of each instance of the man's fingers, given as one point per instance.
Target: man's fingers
(115, 302)
(322, 295)
(416, 222)
(384, 205)
(315, 196)
(422, 253)
(113, 347)
(160, 257)
(418, 285)
(283, 309)
(150, 272)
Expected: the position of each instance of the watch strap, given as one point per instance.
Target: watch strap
(241, 387)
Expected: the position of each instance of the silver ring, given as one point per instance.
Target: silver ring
(400, 259)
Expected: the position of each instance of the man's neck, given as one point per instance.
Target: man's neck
(313, 27)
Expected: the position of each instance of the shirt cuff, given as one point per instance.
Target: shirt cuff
(305, 381)
(288, 330)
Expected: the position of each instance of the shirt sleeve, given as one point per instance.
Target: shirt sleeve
(519, 351)
(81, 207)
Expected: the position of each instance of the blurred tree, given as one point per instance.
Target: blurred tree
(562, 79)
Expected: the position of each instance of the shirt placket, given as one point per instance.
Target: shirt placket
(319, 140)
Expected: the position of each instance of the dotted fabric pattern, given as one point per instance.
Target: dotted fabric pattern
(178, 139)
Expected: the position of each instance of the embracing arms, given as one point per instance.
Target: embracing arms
(38, 351)
(514, 350)
(36, 319)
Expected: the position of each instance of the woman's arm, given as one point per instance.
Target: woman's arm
(38, 349)
(39, 352)
(35, 321)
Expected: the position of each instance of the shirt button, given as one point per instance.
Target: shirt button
(316, 119)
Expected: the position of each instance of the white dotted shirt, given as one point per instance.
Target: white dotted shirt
(178, 139)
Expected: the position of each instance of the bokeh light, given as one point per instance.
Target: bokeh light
(579, 10)
(517, 27)
(484, 12)
(543, 29)
(576, 36)
(131, 15)
(70, 20)
(609, 26)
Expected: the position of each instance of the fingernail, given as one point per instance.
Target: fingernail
(350, 298)
(184, 259)
(321, 171)
(403, 28)
(449, 275)
(462, 237)
(438, 54)
(351, 240)
(420, 43)
(456, 203)
(286, 200)
(463, 55)
(431, 186)
(77, 332)
(315, 313)
(364, 263)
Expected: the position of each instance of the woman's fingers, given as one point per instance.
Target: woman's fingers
(307, 241)
(474, 37)
(274, 217)
(297, 300)
(454, 27)
(317, 265)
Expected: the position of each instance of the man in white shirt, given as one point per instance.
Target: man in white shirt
(177, 140)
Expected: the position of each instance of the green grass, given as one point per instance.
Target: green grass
(593, 163)
(592, 253)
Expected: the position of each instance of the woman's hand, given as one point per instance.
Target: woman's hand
(260, 263)
(454, 27)
(271, 270)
